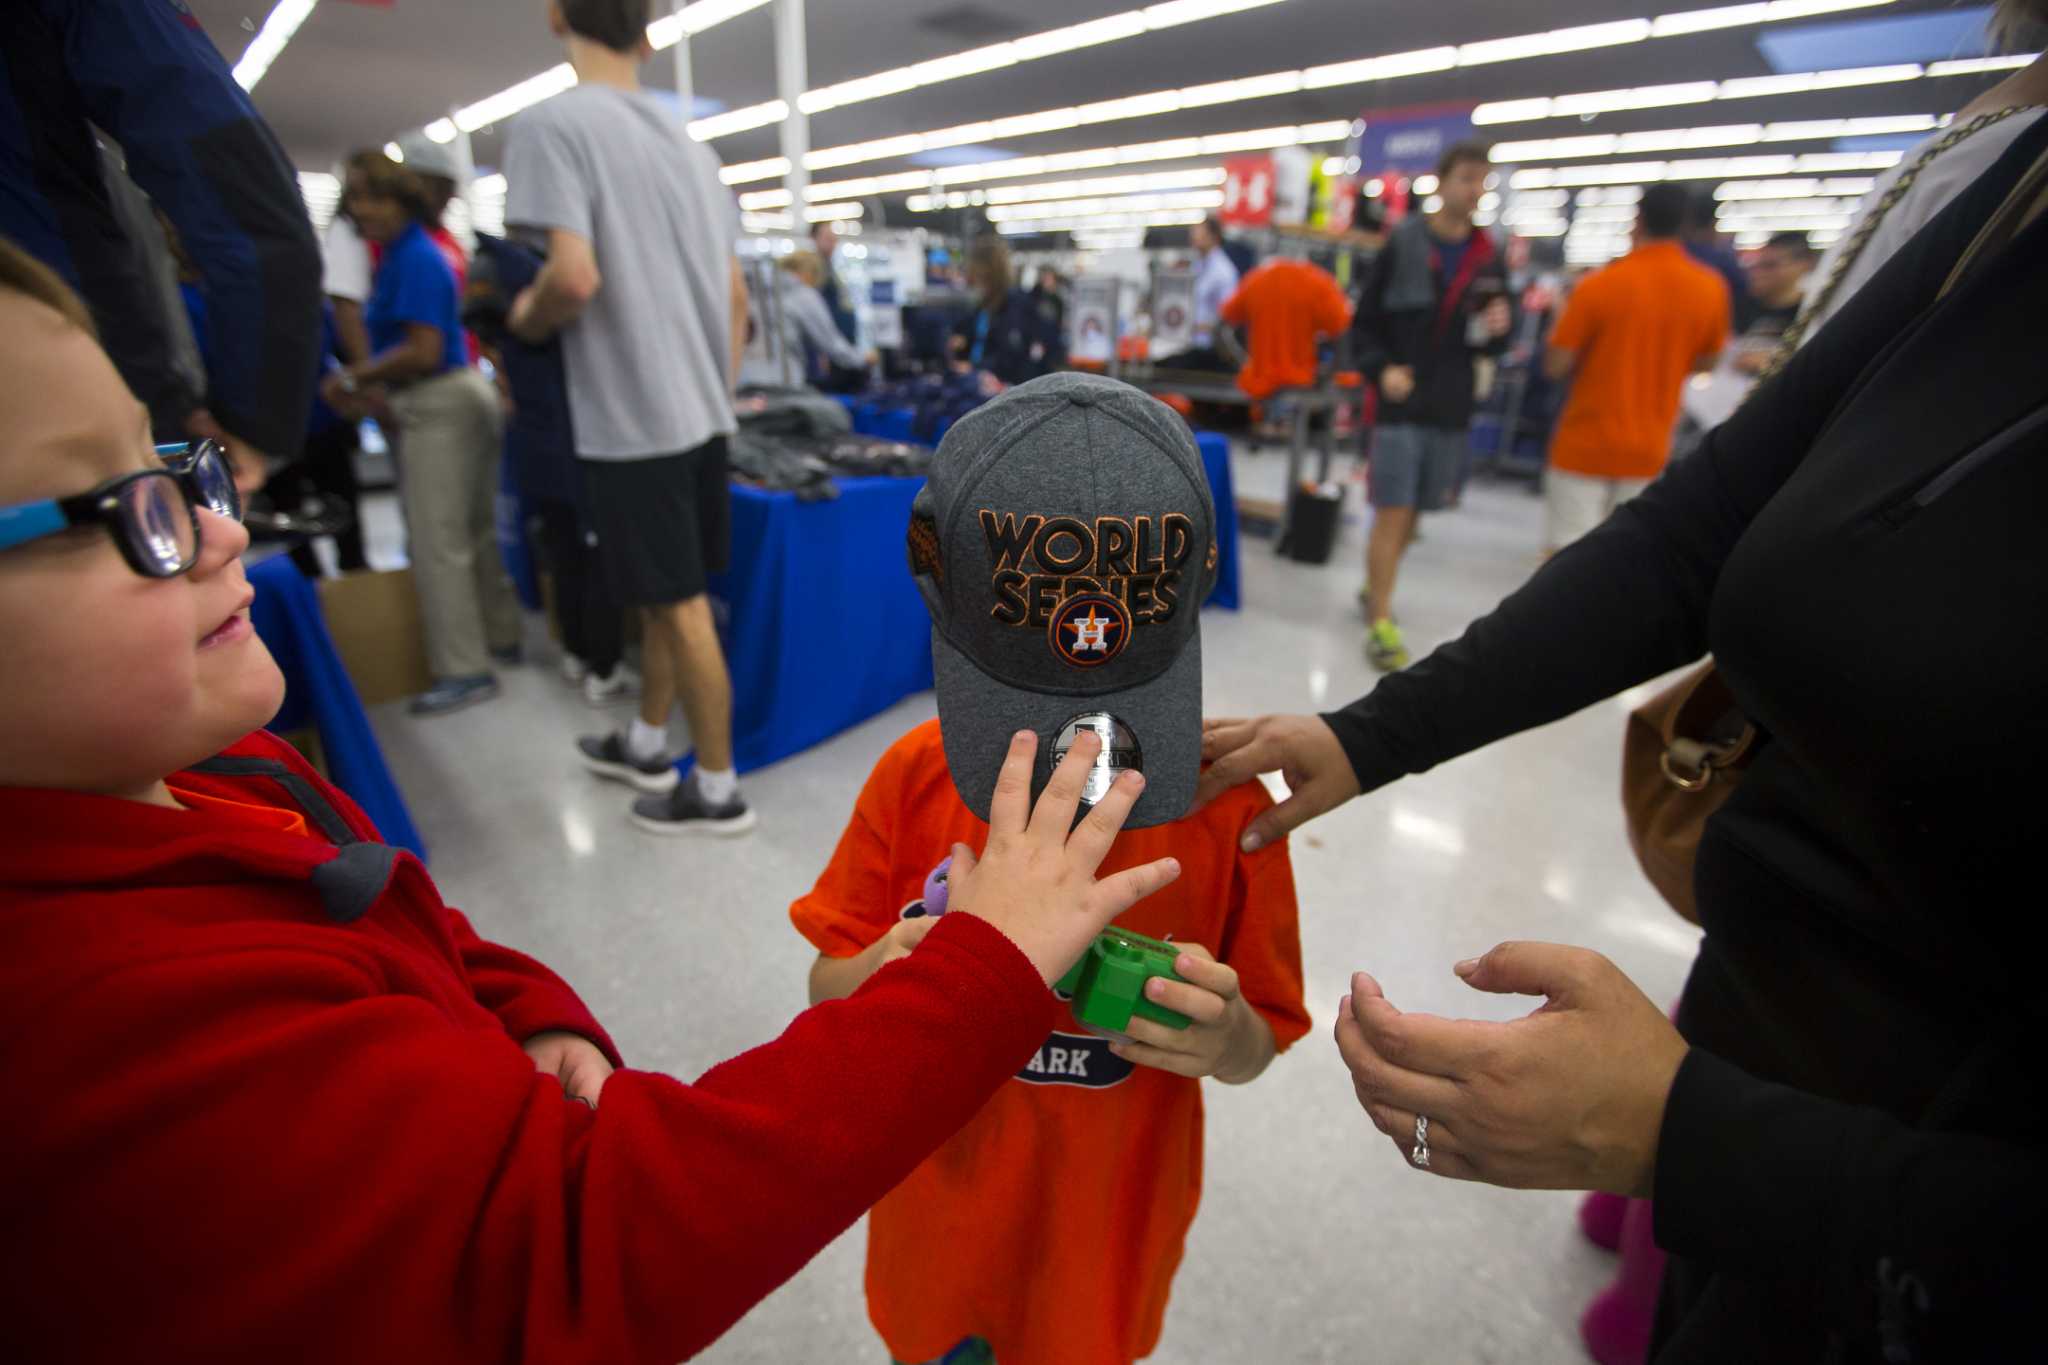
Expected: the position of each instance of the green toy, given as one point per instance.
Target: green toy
(1108, 983)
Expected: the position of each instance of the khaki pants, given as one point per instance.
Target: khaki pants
(451, 435)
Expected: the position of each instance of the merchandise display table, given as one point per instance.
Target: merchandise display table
(319, 693)
(823, 627)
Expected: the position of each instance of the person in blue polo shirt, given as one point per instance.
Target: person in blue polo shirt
(450, 429)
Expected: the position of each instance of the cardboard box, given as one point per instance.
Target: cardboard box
(374, 618)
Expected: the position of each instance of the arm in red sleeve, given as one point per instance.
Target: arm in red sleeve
(527, 996)
(379, 1182)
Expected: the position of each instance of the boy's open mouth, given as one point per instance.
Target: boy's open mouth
(236, 627)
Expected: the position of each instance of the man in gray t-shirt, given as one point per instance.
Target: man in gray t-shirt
(642, 286)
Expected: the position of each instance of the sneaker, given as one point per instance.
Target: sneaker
(684, 811)
(1384, 647)
(452, 694)
(608, 757)
(511, 656)
(620, 683)
(574, 670)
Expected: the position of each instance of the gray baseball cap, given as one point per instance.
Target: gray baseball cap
(1064, 545)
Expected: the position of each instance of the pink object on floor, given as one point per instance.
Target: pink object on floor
(1600, 1218)
(1617, 1324)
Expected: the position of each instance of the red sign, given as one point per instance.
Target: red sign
(1247, 191)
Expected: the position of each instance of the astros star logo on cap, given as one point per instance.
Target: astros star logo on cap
(1089, 629)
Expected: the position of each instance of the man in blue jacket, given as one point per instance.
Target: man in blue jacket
(143, 72)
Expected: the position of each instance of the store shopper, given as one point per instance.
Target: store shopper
(450, 430)
(642, 284)
(147, 77)
(1630, 335)
(1007, 336)
(805, 331)
(1215, 279)
(1705, 243)
(1777, 272)
(288, 1105)
(1286, 308)
(1841, 1135)
(1435, 298)
(825, 241)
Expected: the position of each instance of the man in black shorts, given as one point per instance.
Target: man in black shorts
(643, 287)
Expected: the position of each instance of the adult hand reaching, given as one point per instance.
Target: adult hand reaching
(1570, 1097)
(1302, 749)
(1035, 880)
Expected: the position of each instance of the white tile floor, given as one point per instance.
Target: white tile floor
(1315, 1243)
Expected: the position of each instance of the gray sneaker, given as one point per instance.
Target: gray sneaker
(452, 694)
(684, 811)
(607, 756)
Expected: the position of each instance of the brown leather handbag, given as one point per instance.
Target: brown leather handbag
(1681, 758)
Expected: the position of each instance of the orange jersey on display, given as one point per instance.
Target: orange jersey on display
(1639, 327)
(1285, 304)
(1052, 1224)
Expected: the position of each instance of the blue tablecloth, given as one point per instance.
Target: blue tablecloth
(823, 627)
(1216, 460)
(319, 692)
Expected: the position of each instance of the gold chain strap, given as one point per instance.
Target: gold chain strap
(1796, 333)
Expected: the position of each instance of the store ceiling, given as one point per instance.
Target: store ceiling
(359, 73)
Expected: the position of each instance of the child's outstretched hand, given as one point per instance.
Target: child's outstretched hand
(1226, 1038)
(1036, 880)
(571, 1059)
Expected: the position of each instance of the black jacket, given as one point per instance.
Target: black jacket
(1853, 1165)
(1402, 318)
(1020, 340)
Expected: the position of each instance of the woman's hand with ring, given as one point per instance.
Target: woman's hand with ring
(1569, 1097)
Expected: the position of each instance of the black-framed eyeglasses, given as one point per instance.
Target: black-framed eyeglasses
(152, 514)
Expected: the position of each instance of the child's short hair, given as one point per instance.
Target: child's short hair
(23, 274)
(620, 25)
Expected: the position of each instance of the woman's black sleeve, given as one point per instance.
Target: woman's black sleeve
(1629, 601)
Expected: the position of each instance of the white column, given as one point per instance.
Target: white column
(792, 65)
(465, 162)
(685, 87)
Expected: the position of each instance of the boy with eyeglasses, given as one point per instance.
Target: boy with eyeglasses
(273, 1098)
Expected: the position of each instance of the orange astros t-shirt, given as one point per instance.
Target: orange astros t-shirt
(1639, 326)
(1052, 1224)
(1285, 304)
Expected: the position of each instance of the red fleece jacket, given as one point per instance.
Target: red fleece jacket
(247, 1127)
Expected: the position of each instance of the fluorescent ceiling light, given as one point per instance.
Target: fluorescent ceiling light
(1366, 69)
(1701, 20)
(441, 130)
(1023, 167)
(742, 172)
(1115, 184)
(1288, 82)
(1971, 66)
(1724, 135)
(1249, 88)
(1092, 208)
(1626, 194)
(1165, 218)
(395, 152)
(667, 31)
(1794, 189)
(512, 99)
(1705, 168)
(283, 21)
(1696, 92)
(1030, 48)
(739, 120)
(1557, 40)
